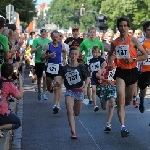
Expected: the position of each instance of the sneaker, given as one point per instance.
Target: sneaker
(51, 91)
(39, 96)
(44, 97)
(58, 106)
(124, 132)
(55, 109)
(30, 75)
(96, 108)
(141, 108)
(74, 136)
(1, 134)
(135, 104)
(90, 102)
(36, 89)
(33, 80)
(107, 127)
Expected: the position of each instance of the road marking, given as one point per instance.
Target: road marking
(89, 134)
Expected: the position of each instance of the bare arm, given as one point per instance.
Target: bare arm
(138, 46)
(110, 54)
(44, 55)
(33, 50)
(7, 55)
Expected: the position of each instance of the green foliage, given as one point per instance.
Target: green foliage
(25, 8)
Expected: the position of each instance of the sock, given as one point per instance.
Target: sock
(141, 100)
(123, 126)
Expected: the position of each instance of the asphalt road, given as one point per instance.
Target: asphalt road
(43, 130)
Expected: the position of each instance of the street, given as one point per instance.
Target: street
(43, 130)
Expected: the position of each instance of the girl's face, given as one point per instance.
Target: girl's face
(74, 54)
(95, 53)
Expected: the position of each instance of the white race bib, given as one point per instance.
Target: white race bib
(52, 68)
(106, 55)
(147, 61)
(111, 75)
(122, 51)
(88, 60)
(95, 66)
(73, 77)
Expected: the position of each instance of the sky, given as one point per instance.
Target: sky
(43, 1)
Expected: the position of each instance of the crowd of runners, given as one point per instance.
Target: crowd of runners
(113, 67)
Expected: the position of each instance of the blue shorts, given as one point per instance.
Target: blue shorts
(105, 92)
(76, 95)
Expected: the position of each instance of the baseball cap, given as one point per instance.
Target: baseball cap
(75, 28)
(42, 28)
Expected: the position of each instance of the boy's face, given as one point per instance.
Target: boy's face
(95, 53)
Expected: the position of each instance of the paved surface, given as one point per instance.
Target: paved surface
(42, 130)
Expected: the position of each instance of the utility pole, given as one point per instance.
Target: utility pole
(10, 12)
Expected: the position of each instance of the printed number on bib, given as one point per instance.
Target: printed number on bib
(88, 60)
(73, 77)
(122, 51)
(111, 75)
(147, 61)
(53, 68)
(95, 66)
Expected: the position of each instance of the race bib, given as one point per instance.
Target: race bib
(106, 55)
(73, 77)
(111, 75)
(90, 52)
(122, 51)
(88, 60)
(147, 61)
(95, 66)
(53, 68)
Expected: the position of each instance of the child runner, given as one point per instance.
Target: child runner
(74, 75)
(94, 65)
(106, 91)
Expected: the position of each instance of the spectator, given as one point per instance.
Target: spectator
(8, 120)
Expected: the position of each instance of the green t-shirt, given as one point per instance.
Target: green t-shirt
(87, 46)
(3, 47)
(36, 43)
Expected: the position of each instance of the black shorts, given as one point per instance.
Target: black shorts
(54, 75)
(94, 80)
(39, 68)
(130, 76)
(144, 80)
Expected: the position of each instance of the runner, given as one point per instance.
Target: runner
(144, 77)
(55, 53)
(87, 46)
(126, 75)
(37, 47)
(74, 74)
(94, 66)
(106, 91)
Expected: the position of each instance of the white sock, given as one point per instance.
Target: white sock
(122, 126)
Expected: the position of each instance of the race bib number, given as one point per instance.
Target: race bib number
(88, 60)
(90, 52)
(95, 66)
(111, 75)
(53, 68)
(122, 51)
(106, 55)
(73, 77)
(147, 61)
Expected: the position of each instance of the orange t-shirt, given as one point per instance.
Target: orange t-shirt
(146, 63)
(125, 50)
(109, 75)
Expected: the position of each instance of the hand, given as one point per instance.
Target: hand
(52, 55)
(148, 51)
(41, 44)
(84, 90)
(108, 81)
(64, 61)
(20, 77)
(128, 60)
(70, 43)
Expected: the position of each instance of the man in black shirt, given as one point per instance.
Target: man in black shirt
(100, 20)
(75, 40)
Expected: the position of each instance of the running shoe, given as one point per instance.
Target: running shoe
(44, 97)
(96, 108)
(135, 104)
(58, 106)
(90, 102)
(1, 134)
(39, 96)
(74, 136)
(55, 109)
(141, 108)
(107, 127)
(124, 132)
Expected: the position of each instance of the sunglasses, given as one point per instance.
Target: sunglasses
(61, 35)
(43, 31)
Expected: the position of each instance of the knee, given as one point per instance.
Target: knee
(69, 111)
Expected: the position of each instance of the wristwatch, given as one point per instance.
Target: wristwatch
(134, 59)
